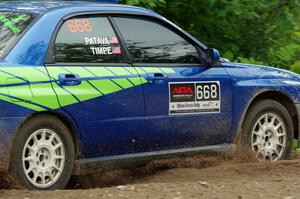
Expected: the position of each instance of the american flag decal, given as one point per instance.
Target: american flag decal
(116, 50)
(114, 40)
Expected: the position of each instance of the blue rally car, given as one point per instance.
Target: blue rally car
(87, 84)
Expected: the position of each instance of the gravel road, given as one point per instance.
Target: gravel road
(193, 177)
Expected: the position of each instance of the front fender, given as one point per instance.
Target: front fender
(245, 91)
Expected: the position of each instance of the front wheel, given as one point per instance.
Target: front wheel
(268, 130)
(43, 155)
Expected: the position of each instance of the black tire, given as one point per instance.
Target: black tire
(29, 128)
(258, 110)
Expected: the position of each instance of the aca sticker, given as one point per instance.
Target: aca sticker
(194, 97)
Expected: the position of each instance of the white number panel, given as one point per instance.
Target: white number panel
(194, 97)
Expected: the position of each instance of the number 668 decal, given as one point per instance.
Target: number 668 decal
(207, 91)
(194, 97)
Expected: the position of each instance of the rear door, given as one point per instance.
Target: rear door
(96, 87)
(187, 104)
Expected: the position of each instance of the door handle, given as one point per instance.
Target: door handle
(69, 79)
(157, 78)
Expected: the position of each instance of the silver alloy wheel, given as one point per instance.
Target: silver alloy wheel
(269, 137)
(43, 158)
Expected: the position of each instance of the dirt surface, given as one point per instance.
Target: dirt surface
(195, 177)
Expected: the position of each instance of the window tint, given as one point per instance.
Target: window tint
(12, 24)
(150, 42)
(87, 40)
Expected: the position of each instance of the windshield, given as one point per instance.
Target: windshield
(12, 24)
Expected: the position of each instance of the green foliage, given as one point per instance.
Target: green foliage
(296, 67)
(296, 146)
(265, 32)
(147, 4)
(249, 60)
(255, 31)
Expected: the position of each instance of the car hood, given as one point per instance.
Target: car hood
(250, 71)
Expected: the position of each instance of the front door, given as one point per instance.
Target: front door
(186, 103)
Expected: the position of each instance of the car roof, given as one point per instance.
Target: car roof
(41, 7)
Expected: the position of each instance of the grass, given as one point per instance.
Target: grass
(296, 147)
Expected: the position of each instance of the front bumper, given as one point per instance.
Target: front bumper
(298, 130)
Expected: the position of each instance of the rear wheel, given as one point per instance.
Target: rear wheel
(43, 156)
(268, 130)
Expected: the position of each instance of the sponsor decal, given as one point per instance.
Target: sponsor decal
(194, 97)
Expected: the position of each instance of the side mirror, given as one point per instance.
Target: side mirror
(213, 57)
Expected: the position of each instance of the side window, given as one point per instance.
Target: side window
(12, 24)
(150, 42)
(87, 39)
